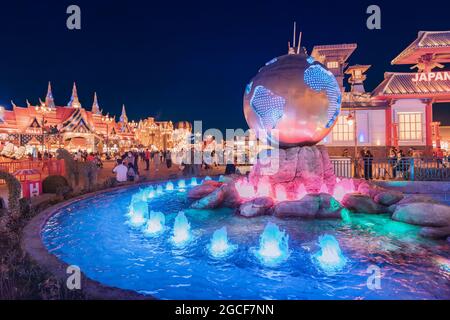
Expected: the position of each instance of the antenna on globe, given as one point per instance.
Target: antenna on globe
(294, 35)
(291, 50)
(299, 42)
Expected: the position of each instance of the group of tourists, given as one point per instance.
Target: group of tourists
(127, 168)
(397, 165)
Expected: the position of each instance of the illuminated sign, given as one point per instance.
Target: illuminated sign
(431, 76)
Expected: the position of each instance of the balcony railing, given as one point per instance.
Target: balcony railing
(420, 169)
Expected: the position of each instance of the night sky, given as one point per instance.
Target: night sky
(187, 60)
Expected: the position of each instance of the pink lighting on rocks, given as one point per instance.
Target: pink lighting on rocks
(323, 188)
(348, 185)
(280, 193)
(264, 189)
(301, 192)
(245, 189)
(343, 187)
(339, 192)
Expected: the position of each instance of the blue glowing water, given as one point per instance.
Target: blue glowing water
(181, 229)
(220, 247)
(95, 234)
(330, 257)
(273, 245)
(169, 186)
(155, 224)
(194, 181)
(182, 184)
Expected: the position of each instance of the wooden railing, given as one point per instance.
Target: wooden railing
(45, 167)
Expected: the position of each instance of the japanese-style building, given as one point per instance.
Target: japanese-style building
(48, 126)
(399, 111)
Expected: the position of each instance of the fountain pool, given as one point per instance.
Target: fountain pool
(96, 235)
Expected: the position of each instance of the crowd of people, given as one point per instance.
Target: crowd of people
(398, 162)
(127, 168)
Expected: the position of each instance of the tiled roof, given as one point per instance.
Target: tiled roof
(395, 83)
(426, 42)
(342, 50)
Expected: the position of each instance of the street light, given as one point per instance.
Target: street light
(133, 125)
(43, 110)
(107, 120)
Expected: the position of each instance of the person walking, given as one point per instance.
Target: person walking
(147, 159)
(368, 159)
(136, 162)
(156, 160)
(168, 157)
(393, 161)
(131, 173)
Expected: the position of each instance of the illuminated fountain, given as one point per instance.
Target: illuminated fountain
(330, 257)
(207, 178)
(245, 189)
(219, 246)
(159, 189)
(150, 192)
(194, 181)
(141, 195)
(280, 193)
(181, 229)
(264, 189)
(169, 186)
(339, 192)
(301, 191)
(181, 184)
(155, 224)
(273, 245)
(138, 213)
(323, 188)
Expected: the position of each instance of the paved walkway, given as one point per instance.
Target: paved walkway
(152, 175)
(159, 173)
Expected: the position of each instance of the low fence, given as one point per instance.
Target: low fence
(45, 167)
(419, 169)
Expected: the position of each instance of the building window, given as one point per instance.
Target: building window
(332, 64)
(410, 126)
(342, 131)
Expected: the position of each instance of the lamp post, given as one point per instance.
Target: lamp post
(351, 121)
(133, 125)
(107, 120)
(43, 110)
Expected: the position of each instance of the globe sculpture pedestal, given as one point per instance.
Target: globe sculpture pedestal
(291, 168)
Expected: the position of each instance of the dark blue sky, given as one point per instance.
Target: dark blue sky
(187, 60)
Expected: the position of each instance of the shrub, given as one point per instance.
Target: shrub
(52, 184)
(110, 182)
(14, 189)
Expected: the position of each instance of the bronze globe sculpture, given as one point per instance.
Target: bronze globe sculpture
(294, 100)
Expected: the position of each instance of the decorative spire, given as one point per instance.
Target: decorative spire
(28, 103)
(95, 107)
(74, 102)
(49, 102)
(13, 104)
(123, 116)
